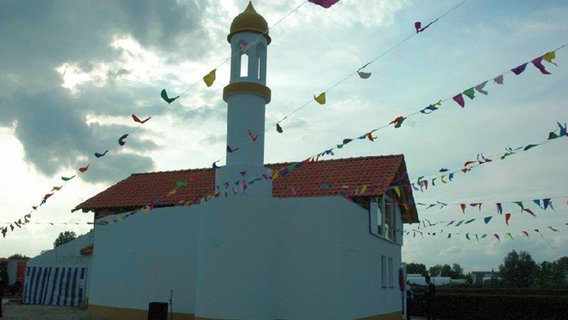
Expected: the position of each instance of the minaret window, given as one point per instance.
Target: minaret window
(244, 65)
(261, 62)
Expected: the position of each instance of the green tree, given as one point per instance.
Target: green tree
(416, 268)
(518, 269)
(446, 271)
(63, 238)
(457, 271)
(18, 256)
(435, 271)
(561, 270)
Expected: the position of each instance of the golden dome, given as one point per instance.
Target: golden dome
(249, 21)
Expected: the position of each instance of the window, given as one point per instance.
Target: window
(383, 213)
(383, 271)
(391, 274)
(244, 65)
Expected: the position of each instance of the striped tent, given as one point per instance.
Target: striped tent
(55, 285)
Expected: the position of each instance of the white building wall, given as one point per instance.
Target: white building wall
(331, 263)
(67, 254)
(139, 260)
(248, 258)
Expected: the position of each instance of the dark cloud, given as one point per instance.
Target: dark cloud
(39, 36)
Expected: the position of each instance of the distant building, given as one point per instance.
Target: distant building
(420, 280)
(60, 276)
(482, 277)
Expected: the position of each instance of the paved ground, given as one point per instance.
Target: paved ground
(17, 311)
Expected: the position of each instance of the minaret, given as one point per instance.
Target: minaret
(246, 96)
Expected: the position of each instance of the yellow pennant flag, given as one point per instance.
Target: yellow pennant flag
(210, 78)
(397, 190)
(56, 188)
(171, 193)
(321, 98)
(549, 56)
(363, 189)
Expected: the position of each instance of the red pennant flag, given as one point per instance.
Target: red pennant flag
(507, 217)
(526, 233)
(136, 119)
(253, 137)
(84, 169)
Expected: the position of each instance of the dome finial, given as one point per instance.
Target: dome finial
(249, 21)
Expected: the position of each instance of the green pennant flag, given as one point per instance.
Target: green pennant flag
(167, 99)
(279, 128)
(552, 135)
(470, 93)
(67, 178)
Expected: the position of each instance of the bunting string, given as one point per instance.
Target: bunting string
(499, 236)
(537, 62)
(67, 179)
(321, 97)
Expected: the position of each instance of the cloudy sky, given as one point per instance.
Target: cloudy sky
(72, 73)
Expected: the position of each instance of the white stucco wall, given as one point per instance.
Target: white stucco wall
(250, 258)
(67, 254)
(139, 260)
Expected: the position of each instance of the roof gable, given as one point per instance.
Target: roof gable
(363, 177)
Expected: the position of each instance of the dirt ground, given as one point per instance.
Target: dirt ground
(18, 311)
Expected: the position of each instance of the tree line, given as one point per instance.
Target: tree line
(517, 270)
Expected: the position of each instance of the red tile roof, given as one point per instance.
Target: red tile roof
(361, 178)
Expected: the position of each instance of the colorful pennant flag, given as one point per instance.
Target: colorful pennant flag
(537, 62)
(320, 98)
(480, 87)
(364, 75)
(167, 99)
(98, 155)
(518, 70)
(136, 119)
(210, 78)
(324, 3)
(121, 140)
(498, 80)
(459, 100)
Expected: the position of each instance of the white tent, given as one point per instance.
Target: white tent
(59, 276)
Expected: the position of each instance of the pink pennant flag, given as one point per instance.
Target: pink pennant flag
(459, 99)
(480, 87)
(324, 3)
(498, 80)
(529, 211)
(538, 64)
